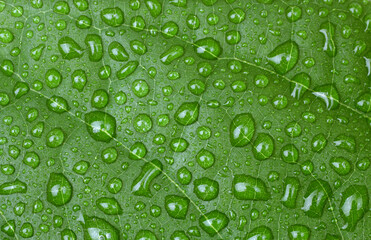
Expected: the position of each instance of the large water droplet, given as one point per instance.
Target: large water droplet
(59, 189)
(284, 57)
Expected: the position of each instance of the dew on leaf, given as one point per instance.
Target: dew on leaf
(109, 206)
(94, 45)
(178, 144)
(263, 146)
(206, 189)
(246, 187)
(208, 48)
(290, 194)
(113, 17)
(315, 198)
(289, 153)
(213, 222)
(241, 130)
(137, 151)
(55, 138)
(69, 49)
(298, 232)
(101, 126)
(127, 70)
(141, 185)
(13, 187)
(284, 57)
(59, 190)
(176, 206)
(261, 232)
(340, 165)
(98, 228)
(353, 206)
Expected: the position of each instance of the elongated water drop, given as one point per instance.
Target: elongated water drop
(328, 31)
(353, 205)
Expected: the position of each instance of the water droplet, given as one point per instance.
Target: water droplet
(242, 129)
(284, 57)
(99, 99)
(117, 52)
(363, 103)
(26, 230)
(319, 142)
(260, 233)
(179, 235)
(61, 7)
(208, 48)
(289, 153)
(173, 53)
(176, 206)
(81, 5)
(57, 104)
(213, 222)
(112, 16)
(316, 197)
(246, 187)
(298, 232)
(81, 167)
(187, 113)
(328, 31)
(184, 176)
(299, 85)
(109, 155)
(236, 15)
(140, 88)
(353, 206)
(68, 234)
(31, 159)
(55, 138)
(98, 228)
(345, 142)
(20, 89)
(205, 158)
(13, 187)
(59, 189)
(141, 185)
(9, 228)
(137, 151)
(293, 129)
(263, 146)
(293, 13)
(69, 49)
(79, 79)
(142, 123)
(196, 87)
(169, 29)
(340, 165)
(7, 67)
(206, 189)
(114, 185)
(37, 51)
(109, 206)
(290, 194)
(95, 47)
(328, 94)
(145, 234)
(101, 126)
(6, 36)
(127, 70)
(178, 144)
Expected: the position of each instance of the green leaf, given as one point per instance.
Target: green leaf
(185, 119)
